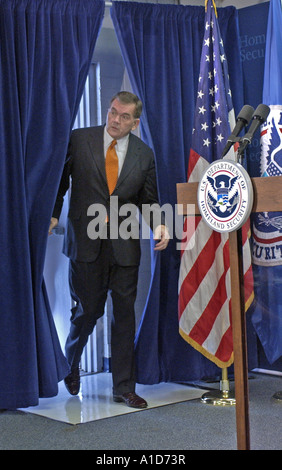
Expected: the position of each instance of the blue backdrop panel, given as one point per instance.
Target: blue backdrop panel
(45, 53)
(161, 46)
(253, 26)
(262, 40)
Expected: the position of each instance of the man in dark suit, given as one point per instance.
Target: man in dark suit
(104, 251)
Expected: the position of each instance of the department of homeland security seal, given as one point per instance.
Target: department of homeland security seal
(225, 196)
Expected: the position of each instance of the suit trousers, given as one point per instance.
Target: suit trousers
(89, 286)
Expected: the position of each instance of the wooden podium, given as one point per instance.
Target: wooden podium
(267, 197)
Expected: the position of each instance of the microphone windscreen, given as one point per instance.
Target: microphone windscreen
(262, 112)
(246, 113)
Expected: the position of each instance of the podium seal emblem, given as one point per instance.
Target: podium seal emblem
(225, 196)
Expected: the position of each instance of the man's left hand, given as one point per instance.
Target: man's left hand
(162, 235)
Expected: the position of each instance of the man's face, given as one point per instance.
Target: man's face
(120, 119)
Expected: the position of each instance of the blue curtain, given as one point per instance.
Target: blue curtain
(45, 51)
(161, 47)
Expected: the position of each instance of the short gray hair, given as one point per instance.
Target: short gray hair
(126, 97)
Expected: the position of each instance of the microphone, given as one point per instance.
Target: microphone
(242, 120)
(259, 117)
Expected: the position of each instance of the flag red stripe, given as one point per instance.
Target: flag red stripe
(193, 158)
(198, 271)
(204, 325)
(202, 328)
(248, 285)
(188, 231)
(225, 349)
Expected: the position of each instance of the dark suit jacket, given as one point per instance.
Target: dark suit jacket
(85, 165)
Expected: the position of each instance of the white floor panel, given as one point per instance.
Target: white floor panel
(95, 401)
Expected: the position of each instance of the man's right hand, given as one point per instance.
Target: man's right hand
(54, 222)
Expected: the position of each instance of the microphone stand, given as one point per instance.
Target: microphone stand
(243, 143)
(232, 140)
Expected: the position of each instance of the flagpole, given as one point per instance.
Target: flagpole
(221, 397)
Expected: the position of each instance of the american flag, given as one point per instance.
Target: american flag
(204, 280)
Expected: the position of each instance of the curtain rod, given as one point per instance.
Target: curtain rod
(109, 3)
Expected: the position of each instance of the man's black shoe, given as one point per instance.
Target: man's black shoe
(131, 399)
(72, 382)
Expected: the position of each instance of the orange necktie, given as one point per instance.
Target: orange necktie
(111, 166)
